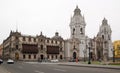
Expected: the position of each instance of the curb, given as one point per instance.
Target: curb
(91, 66)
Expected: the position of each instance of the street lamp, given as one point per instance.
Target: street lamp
(113, 51)
(89, 62)
(84, 51)
(90, 50)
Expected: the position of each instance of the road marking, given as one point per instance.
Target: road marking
(60, 70)
(38, 71)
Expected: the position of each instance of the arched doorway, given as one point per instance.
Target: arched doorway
(42, 57)
(74, 55)
(16, 56)
(61, 57)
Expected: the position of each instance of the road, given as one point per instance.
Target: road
(23, 67)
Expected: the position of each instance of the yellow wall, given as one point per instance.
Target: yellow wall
(116, 46)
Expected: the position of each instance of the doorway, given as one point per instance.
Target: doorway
(16, 56)
(74, 55)
(42, 57)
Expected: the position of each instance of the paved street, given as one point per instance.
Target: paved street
(34, 67)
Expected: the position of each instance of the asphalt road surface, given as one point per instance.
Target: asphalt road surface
(22, 67)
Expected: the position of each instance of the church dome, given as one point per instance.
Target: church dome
(77, 17)
(57, 37)
(104, 21)
(77, 11)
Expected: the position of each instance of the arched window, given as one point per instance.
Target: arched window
(29, 56)
(102, 36)
(81, 30)
(41, 46)
(34, 56)
(73, 31)
(61, 57)
(109, 37)
(23, 38)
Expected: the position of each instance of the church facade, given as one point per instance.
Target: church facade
(78, 45)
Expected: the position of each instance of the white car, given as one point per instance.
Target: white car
(56, 60)
(10, 61)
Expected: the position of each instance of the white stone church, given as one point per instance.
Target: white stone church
(77, 46)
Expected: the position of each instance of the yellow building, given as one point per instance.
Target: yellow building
(116, 45)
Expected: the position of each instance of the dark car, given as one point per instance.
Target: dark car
(1, 61)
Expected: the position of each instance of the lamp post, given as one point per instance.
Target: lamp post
(84, 51)
(113, 51)
(89, 62)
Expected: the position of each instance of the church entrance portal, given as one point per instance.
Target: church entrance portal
(42, 57)
(74, 55)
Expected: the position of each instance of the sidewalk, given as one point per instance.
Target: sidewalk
(3, 70)
(89, 65)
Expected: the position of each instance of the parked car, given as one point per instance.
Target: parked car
(1, 61)
(72, 60)
(55, 60)
(10, 61)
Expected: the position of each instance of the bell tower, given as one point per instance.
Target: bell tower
(77, 24)
(105, 33)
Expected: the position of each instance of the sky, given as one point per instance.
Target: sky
(30, 17)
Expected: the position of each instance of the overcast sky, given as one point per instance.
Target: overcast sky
(31, 17)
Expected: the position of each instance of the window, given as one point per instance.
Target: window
(34, 56)
(47, 41)
(60, 42)
(41, 46)
(23, 38)
(56, 42)
(29, 39)
(51, 41)
(29, 56)
(81, 30)
(102, 36)
(16, 37)
(74, 47)
(16, 46)
(52, 56)
(60, 49)
(109, 37)
(118, 46)
(34, 39)
(56, 56)
(23, 56)
(41, 40)
(73, 31)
